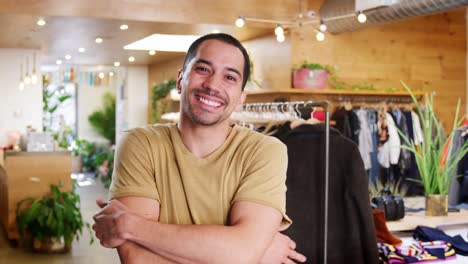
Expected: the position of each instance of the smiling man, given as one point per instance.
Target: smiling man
(201, 190)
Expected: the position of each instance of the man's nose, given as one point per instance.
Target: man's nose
(212, 83)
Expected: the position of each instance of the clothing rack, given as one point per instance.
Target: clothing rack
(288, 106)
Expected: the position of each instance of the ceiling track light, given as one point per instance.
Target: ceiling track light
(41, 22)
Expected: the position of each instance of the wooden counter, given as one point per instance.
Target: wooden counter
(29, 174)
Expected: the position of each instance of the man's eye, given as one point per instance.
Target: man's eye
(202, 69)
(231, 78)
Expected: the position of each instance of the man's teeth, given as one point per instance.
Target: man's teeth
(208, 102)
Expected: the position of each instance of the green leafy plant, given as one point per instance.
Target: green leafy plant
(159, 92)
(86, 150)
(436, 169)
(55, 216)
(394, 187)
(103, 121)
(315, 66)
(49, 107)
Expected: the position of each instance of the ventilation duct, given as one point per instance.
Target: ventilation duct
(340, 15)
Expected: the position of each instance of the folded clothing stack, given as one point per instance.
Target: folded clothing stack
(416, 252)
(425, 233)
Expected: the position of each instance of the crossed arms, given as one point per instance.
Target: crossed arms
(130, 225)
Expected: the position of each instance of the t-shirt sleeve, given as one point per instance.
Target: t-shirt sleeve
(133, 173)
(265, 178)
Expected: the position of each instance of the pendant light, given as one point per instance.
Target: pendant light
(34, 74)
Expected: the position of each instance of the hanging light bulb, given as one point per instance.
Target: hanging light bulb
(21, 84)
(152, 52)
(27, 79)
(279, 30)
(34, 75)
(362, 18)
(320, 36)
(280, 38)
(322, 26)
(240, 22)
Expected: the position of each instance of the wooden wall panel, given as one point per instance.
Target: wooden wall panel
(427, 53)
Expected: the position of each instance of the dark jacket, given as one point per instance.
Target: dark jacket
(351, 231)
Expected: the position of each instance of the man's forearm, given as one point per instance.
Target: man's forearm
(132, 253)
(200, 243)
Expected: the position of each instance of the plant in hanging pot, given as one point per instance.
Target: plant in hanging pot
(436, 157)
(53, 221)
(311, 76)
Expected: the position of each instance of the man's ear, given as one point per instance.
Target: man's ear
(179, 80)
(241, 101)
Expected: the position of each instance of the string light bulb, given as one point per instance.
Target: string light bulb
(279, 30)
(322, 26)
(152, 52)
(362, 18)
(116, 64)
(280, 38)
(240, 22)
(320, 36)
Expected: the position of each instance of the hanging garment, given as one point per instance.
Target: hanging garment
(417, 130)
(350, 233)
(347, 122)
(454, 189)
(404, 161)
(365, 139)
(389, 152)
(413, 187)
(374, 172)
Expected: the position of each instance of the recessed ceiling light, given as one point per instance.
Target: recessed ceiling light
(131, 59)
(81, 50)
(123, 27)
(101, 75)
(111, 74)
(215, 31)
(152, 52)
(116, 64)
(41, 22)
(58, 62)
(99, 40)
(68, 57)
(162, 42)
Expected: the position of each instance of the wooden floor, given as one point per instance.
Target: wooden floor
(82, 252)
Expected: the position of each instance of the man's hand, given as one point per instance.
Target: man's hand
(110, 223)
(282, 251)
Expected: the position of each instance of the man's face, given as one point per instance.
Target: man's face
(211, 85)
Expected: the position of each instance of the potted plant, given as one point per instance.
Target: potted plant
(103, 120)
(311, 76)
(158, 92)
(53, 221)
(434, 158)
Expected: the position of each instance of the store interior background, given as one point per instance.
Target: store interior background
(427, 53)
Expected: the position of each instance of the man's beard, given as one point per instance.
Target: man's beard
(199, 119)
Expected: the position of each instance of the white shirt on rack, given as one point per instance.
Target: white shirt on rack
(389, 152)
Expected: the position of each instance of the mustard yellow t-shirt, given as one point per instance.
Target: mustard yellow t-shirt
(153, 162)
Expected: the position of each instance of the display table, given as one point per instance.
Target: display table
(452, 224)
(29, 174)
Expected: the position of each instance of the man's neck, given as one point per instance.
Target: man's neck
(200, 140)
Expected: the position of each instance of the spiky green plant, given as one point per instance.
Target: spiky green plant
(436, 175)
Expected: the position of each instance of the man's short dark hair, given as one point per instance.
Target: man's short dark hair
(192, 51)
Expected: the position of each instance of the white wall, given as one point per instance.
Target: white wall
(18, 109)
(137, 99)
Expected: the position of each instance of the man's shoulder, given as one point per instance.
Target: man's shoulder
(151, 131)
(255, 139)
